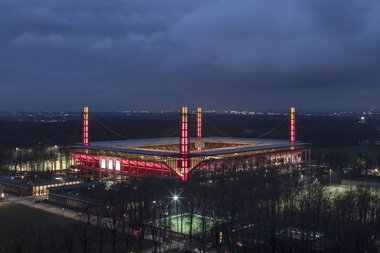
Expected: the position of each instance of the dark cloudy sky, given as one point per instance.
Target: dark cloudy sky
(160, 54)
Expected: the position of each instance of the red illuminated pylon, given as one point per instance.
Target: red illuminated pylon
(184, 149)
(292, 125)
(199, 127)
(85, 126)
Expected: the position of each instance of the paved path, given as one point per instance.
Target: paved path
(30, 201)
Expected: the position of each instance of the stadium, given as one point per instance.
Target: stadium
(184, 156)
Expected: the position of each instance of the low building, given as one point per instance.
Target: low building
(292, 239)
(17, 185)
(254, 237)
(71, 196)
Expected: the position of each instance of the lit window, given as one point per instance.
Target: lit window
(103, 164)
(110, 164)
(117, 165)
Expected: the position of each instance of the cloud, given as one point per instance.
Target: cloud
(158, 55)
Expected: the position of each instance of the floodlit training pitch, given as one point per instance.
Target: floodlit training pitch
(336, 189)
(181, 224)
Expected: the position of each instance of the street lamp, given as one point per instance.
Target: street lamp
(175, 198)
(330, 176)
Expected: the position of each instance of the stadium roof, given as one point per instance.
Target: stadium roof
(169, 146)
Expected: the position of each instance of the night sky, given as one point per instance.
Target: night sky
(160, 54)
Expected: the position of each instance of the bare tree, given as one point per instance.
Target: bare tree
(69, 239)
(19, 238)
(83, 228)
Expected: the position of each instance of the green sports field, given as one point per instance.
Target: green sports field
(181, 223)
(335, 189)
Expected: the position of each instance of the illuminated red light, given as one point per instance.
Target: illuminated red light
(128, 167)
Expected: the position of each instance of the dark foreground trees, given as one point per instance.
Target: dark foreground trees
(260, 212)
(267, 212)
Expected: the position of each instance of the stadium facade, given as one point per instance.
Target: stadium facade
(184, 156)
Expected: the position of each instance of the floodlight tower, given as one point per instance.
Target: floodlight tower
(85, 126)
(184, 144)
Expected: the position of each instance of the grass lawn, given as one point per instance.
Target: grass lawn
(15, 215)
(12, 215)
(181, 223)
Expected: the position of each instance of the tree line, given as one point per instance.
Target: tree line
(249, 212)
